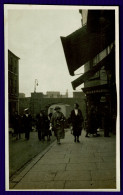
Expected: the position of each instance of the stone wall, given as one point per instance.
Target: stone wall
(35, 105)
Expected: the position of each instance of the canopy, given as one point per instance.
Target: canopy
(107, 61)
(84, 44)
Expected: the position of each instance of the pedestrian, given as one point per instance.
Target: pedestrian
(27, 121)
(17, 125)
(92, 122)
(76, 119)
(106, 121)
(57, 124)
(41, 126)
(48, 133)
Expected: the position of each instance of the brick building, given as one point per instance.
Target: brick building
(13, 83)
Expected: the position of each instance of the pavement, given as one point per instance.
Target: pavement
(88, 165)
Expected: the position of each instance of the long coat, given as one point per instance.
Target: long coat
(92, 121)
(57, 121)
(27, 121)
(76, 121)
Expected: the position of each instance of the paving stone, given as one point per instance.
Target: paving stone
(78, 185)
(81, 166)
(80, 160)
(107, 184)
(48, 155)
(55, 184)
(81, 155)
(49, 168)
(109, 158)
(54, 161)
(73, 175)
(107, 154)
(37, 176)
(103, 175)
(106, 165)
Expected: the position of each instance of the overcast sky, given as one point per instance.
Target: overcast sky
(34, 36)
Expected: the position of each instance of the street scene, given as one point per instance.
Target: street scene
(63, 105)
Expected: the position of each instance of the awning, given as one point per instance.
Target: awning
(107, 61)
(84, 44)
(96, 89)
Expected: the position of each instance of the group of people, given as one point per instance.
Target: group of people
(22, 122)
(76, 122)
(46, 124)
(43, 126)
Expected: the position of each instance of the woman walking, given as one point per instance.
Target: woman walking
(41, 126)
(76, 119)
(57, 123)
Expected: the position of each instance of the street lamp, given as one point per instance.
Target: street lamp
(36, 84)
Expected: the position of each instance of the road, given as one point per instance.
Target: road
(22, 151)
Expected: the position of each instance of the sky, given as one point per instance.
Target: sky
(34, 36)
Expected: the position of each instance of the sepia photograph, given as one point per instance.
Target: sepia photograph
(62, 108)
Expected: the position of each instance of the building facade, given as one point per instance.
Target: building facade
(93, 46)
(13, 83)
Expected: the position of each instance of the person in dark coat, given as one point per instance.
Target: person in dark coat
(92, 122)
(76, 119)
(17, 125)
(47, 127)
(27, 121)
(41, 126)
(106, 121)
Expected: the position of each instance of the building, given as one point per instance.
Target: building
(93, 46)
(38, 102)
(53, 94)
(21, 95)
(13, 83)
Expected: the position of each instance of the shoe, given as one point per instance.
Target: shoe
(78, 141)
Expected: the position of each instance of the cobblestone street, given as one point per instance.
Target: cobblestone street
(90, 164)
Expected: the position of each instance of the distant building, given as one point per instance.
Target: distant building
(21, 95)
(53, 94)
(78, 94)
(13, 83)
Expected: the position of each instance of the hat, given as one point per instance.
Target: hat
(57, 108)
(26, 109)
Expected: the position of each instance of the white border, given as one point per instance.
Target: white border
(39, 7)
